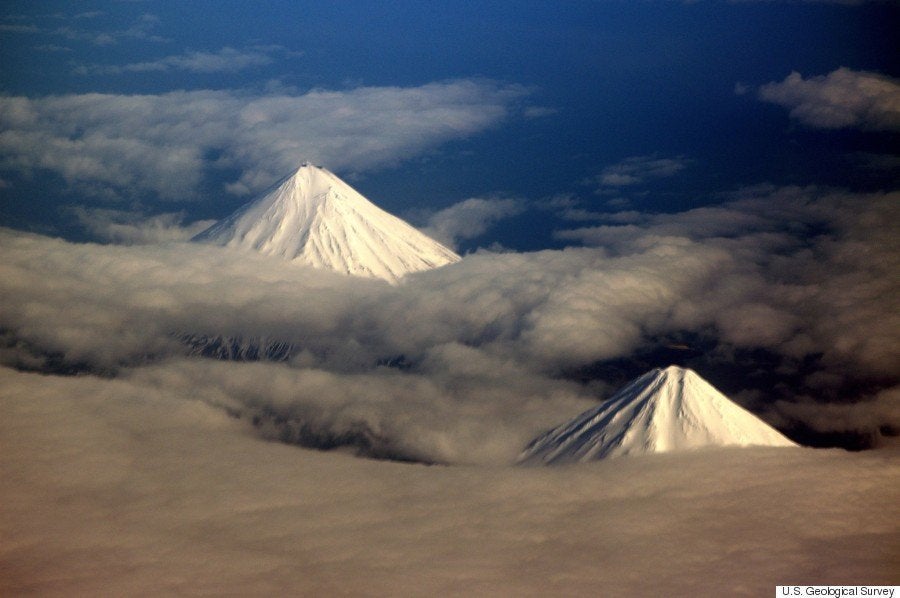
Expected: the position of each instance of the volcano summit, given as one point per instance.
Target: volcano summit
(312, 217)
(664, 410)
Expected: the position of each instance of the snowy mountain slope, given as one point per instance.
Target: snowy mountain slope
(313, 217)
(664, 410)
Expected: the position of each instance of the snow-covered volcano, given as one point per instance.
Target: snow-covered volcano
(314, 218)
(664, 410)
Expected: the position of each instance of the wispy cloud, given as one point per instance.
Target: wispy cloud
(538, 111)
(226, 60)
(841, 99)
(124, 145)
(15, 28)
(134, 228)
(640, 169)
(52, 48)
(469, 219)
(142, 28)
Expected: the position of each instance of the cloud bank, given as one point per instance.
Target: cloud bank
(165, 145)
(843, 98)
(116, 486)
(781, 297)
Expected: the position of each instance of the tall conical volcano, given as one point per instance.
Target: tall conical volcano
(313, 217)
(664, 410)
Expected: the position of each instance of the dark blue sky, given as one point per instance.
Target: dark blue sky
(567, 99)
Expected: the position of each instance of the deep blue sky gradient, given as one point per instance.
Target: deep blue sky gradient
(618, 80)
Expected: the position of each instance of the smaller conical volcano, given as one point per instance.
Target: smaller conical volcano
(314, 218)
(664, 410)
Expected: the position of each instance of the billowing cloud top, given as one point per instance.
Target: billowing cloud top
(791, 290)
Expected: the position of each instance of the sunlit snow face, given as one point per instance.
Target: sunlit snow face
(313, 218)
(668, 409)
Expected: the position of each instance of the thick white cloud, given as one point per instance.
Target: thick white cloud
(461, 406)
(153, 470)
(803, 271)
(843, 98)
(166, 144)
(123, 487)
(802, 274)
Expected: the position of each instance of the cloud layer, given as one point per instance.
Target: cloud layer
(116, 486)
(164, 145)
(843, 98)
(786, 296)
